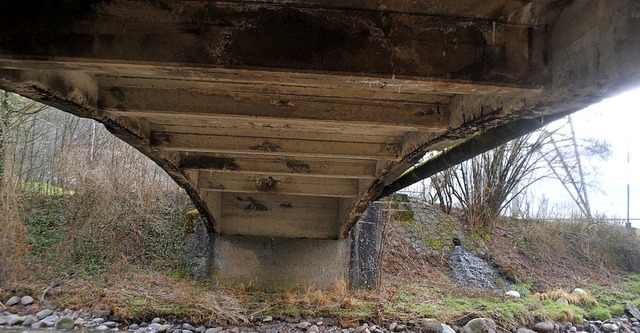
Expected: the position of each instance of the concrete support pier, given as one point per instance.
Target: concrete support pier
(365, 245)
(279, 263)
(282, 263)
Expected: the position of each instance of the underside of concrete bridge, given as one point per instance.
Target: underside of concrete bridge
(286, 118)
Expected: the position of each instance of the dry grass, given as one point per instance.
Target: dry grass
(14, 249)
(134, 295)
(573, 299)
(413, 286)
(561, 253)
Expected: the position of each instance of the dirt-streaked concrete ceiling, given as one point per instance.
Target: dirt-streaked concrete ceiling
(285, 118)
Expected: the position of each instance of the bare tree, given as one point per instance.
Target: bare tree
(485, 185)
(565, 160)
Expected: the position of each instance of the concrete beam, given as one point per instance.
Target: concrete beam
(311, 167)
(294, 37)
(205, 104)
(290, 185)
(595, 49)
(274, 147)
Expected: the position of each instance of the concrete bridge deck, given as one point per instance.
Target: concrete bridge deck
(284, 119)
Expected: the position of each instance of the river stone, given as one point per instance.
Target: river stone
(214, 330)
(578, 292)
(480, 325)
(64, 323)
(14, 321)
(562, 301)
(544, 327)
(401, 328)
(141, 330)
(186, 331)
(156, 320)
(609, 328)
(267, 319)
(187, 326)
(51, 317)
(153, 327)
(36, 325)
(47, 323)
(392, 326)
(303, 325)
(102, 328)
(43, 314)
(524, 330)
(110, 324)
(361, 328)
(447, 329)
(26, 300)
(30, 309)
(13, 301)
(512, 293)
(163, 328)
(29, 320)
(133, 327)
(312, 329)
(429, 325)
(632, 311)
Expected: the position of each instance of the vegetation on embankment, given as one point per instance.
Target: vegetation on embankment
(131, 267)
(86, 222)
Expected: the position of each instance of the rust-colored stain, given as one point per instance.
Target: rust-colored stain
(298, 166)
(266, 146)
(267, 184)
(254, 205)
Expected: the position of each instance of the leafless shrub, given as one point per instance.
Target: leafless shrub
(112, 204)
(485, 185)
(597, 244)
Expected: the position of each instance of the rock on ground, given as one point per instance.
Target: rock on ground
(544, 327)
(480, 325)
(65, 323)
(13, 301)
(429, 325)
(524, 330)
(26, 300)
(632, 311)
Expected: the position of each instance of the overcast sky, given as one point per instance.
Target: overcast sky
(615, 120)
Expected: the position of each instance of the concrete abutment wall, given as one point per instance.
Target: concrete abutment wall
(282, 263)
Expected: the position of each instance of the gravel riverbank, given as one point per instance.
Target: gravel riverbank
(26, 314)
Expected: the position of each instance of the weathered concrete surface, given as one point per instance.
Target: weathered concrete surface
(365, 246)
(285, 263)
(284, 119)
(280, 262)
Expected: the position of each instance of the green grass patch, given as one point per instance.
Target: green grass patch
(560, 312)
(626, 292)
(599, 313)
